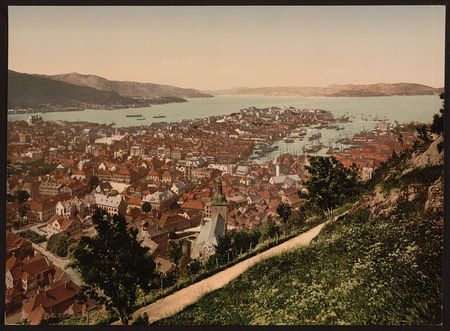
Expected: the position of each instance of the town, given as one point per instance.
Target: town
(186, 182)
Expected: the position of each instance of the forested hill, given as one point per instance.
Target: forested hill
(35, 92)
(380, 264)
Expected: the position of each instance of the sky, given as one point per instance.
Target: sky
(212, 47)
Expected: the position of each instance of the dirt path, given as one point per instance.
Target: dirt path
(179, 300)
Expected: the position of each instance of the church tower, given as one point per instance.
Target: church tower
(219, 204)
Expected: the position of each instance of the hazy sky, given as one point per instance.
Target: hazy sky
(223, 47)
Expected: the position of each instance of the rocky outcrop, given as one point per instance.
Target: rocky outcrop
(430, 157)
(435, 197)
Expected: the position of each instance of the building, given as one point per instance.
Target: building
(176, 154)
(206, 241)
(41, 211)
(112, 203)
(33, 119)
(53, 301)
(18, 246)
(59, 224)
(160, 200)
(137, 150)
(50, 188)
(178, 188)
(201, 173)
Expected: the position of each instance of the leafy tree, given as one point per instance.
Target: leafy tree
(194, 266)
(114, 265)
(10, 197)
(146, 207)
(23, 210)
(330, 183)
(21, 196)
(59, 244)
(296, 219)
(284, 211)
(268, 229)
(94, 181)
(175, 251)
(422, 131)
(223, 248)
(183, 265)
(438, 120)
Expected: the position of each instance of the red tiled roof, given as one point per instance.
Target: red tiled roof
(51, 297)
(193, 204)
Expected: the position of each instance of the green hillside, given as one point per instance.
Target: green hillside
(380, 264)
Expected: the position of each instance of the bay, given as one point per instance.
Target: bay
(399, 108)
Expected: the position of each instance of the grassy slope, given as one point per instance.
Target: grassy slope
(361, 270)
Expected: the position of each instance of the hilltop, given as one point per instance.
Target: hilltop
(40, 93)
(348, 90)
(380, 264)
(127, 88)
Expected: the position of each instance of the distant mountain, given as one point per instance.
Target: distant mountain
(37, 92)
(348, 90)
(129, 89)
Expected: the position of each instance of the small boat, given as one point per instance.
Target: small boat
(140, 119)
(137, 115)
(287, 140)
(159, 116)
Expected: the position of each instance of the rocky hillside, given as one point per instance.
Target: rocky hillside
(348, 90)
(380, 264)
(129, 89)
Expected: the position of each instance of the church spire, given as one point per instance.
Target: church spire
(218, 197)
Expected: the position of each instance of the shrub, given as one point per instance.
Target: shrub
(59, 243)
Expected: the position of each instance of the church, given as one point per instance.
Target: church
(206, 241)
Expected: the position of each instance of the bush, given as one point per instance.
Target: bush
(33, 236)
(141, 320)
(383, 271)
(59, 243)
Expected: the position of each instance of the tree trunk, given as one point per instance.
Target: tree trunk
(124, 320)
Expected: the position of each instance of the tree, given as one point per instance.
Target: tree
(23, 211)
(183, 265)
(330, 183)
(284, 211)
(268, 229)
(141, 319)
(423, 133)
(296, 219)
(175, 251)
(146, 207)
(223, 248)
(59, 244)
(10, 197)
(94, 181)
(438, 120)
(21, 196)
(114, 265)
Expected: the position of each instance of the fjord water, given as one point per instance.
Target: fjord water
(399, 108)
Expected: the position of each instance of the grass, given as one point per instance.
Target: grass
(204, 273)
(358, 271)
